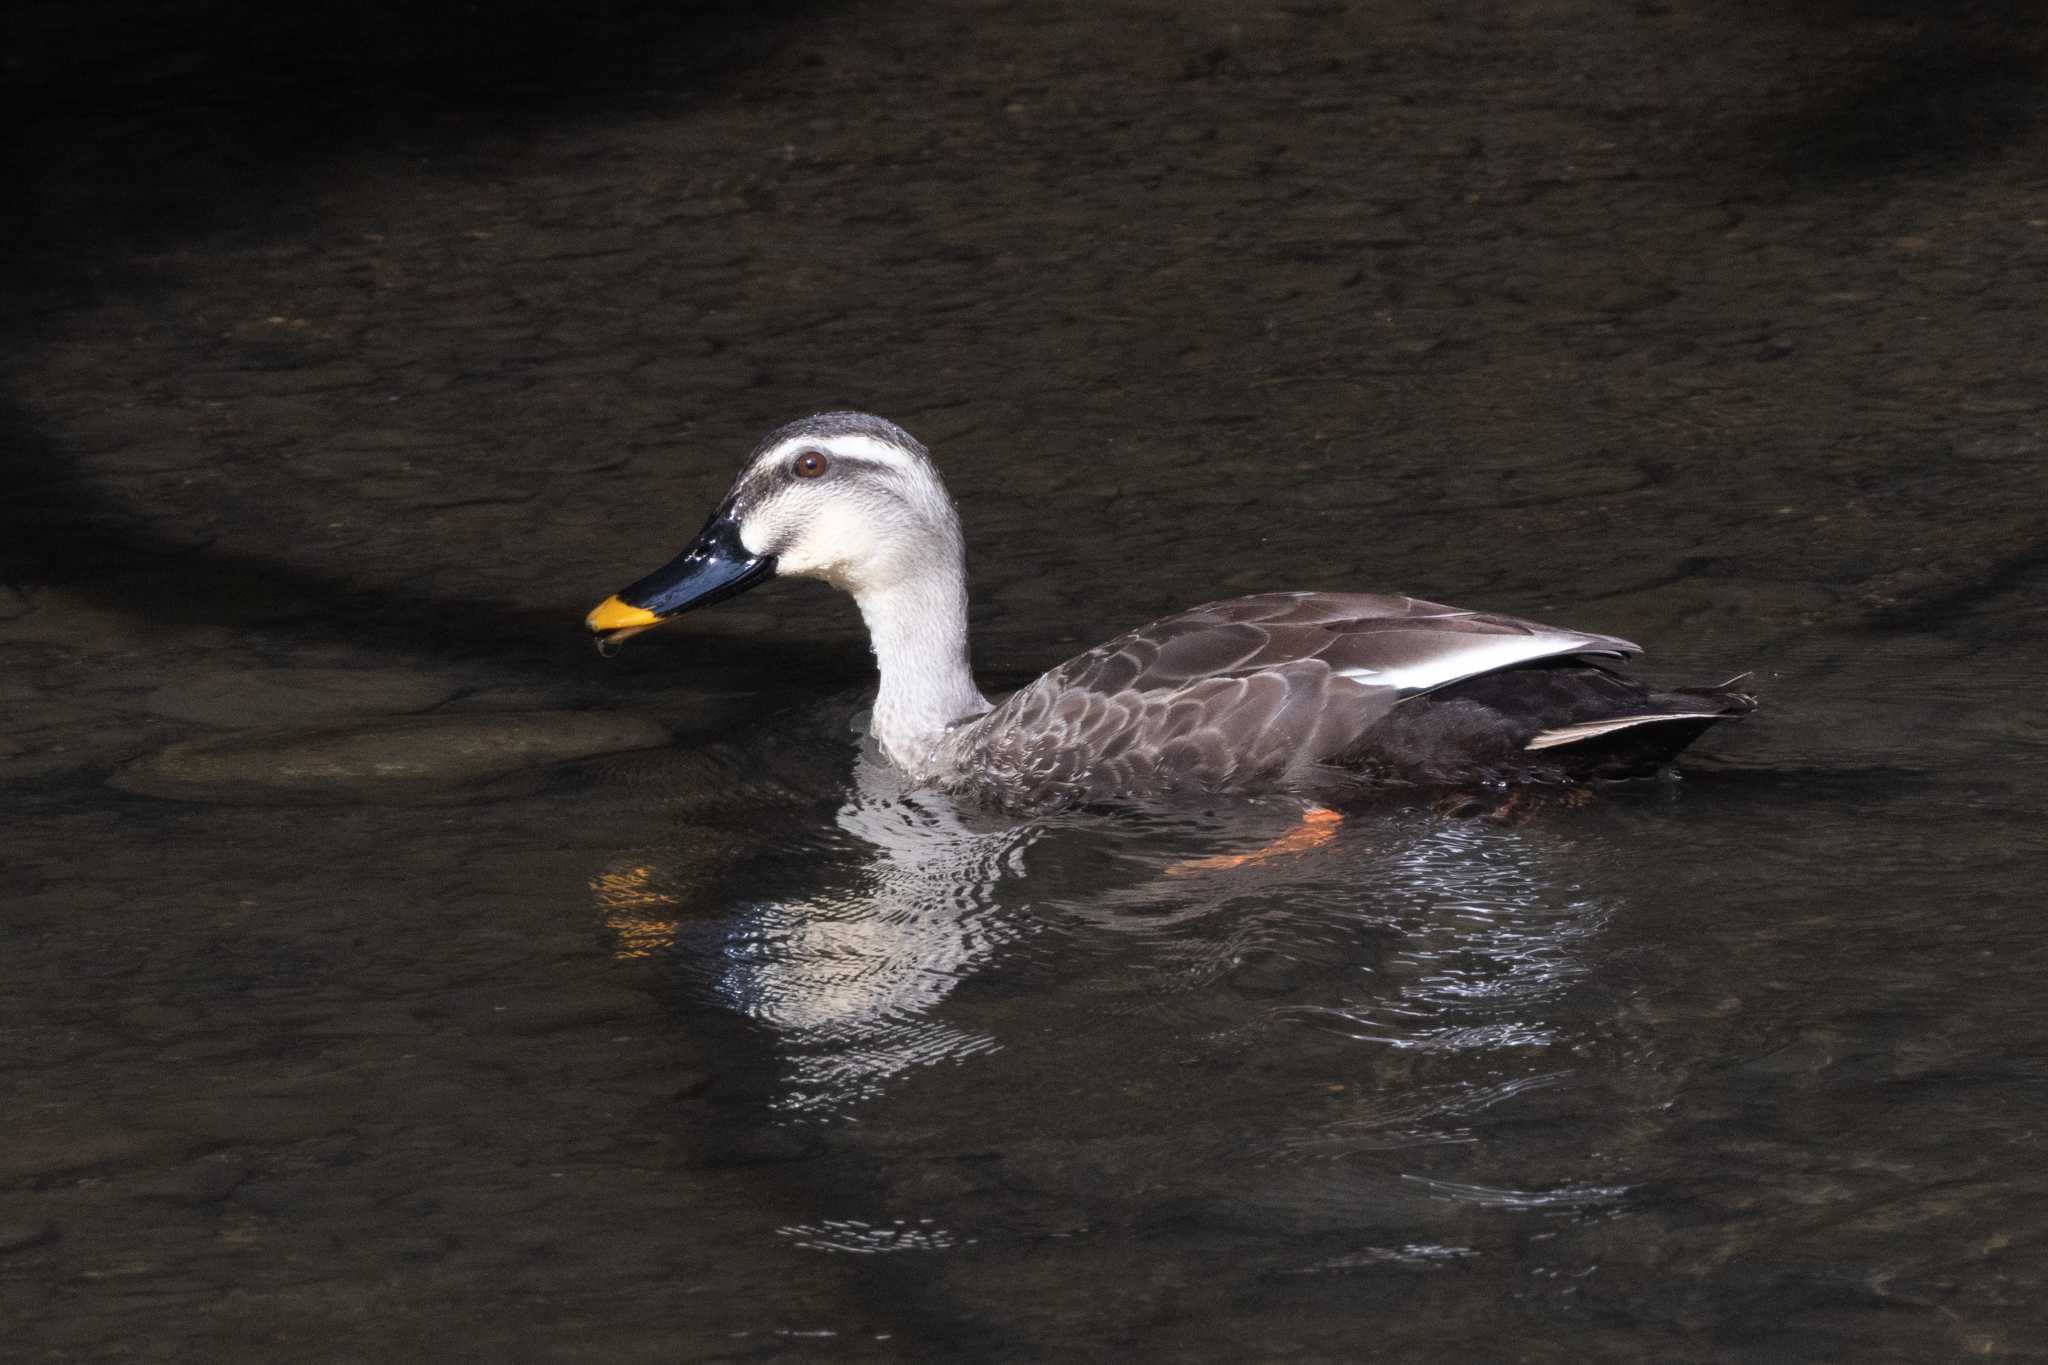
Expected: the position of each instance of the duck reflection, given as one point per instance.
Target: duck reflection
(847, 974)
(1460, 938)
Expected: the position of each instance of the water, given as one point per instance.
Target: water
(1665, 1072)
(384, 975)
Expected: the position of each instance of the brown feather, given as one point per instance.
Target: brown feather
(1302, 691)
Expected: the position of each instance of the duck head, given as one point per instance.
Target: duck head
(843, 496)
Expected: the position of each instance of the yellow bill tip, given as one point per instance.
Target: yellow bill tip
(612, 614)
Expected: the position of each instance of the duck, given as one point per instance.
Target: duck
(1319, 695)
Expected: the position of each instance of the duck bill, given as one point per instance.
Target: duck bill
(714, 566)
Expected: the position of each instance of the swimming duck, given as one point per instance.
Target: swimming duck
(1316, 693)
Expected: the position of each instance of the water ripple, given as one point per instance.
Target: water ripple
(856, 1237)
(1405, 932)
(1568, 1198)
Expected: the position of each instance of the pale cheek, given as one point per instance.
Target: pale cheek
(802, 561)
(820, 532)
(833, 547)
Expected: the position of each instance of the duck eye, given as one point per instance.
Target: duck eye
(810, 465)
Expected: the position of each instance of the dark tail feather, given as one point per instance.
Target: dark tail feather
(1547, 722)
(1651, 737)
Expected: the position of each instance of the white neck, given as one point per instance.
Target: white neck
(919, 632)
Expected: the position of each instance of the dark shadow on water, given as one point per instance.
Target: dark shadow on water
(1974, 604)
(139, 124)
(135, 127)
(56, 529)
(1945, 84)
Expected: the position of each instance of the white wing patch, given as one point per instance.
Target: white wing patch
(1593, 729)
(1476, 654)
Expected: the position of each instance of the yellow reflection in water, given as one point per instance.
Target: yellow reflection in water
(632, 909)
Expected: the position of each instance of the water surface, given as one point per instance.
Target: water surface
(386, 976)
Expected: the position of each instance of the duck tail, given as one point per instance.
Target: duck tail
(1681, 715)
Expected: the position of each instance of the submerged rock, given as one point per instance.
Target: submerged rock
(80, 1143)
(416, 758)
(242, 698)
